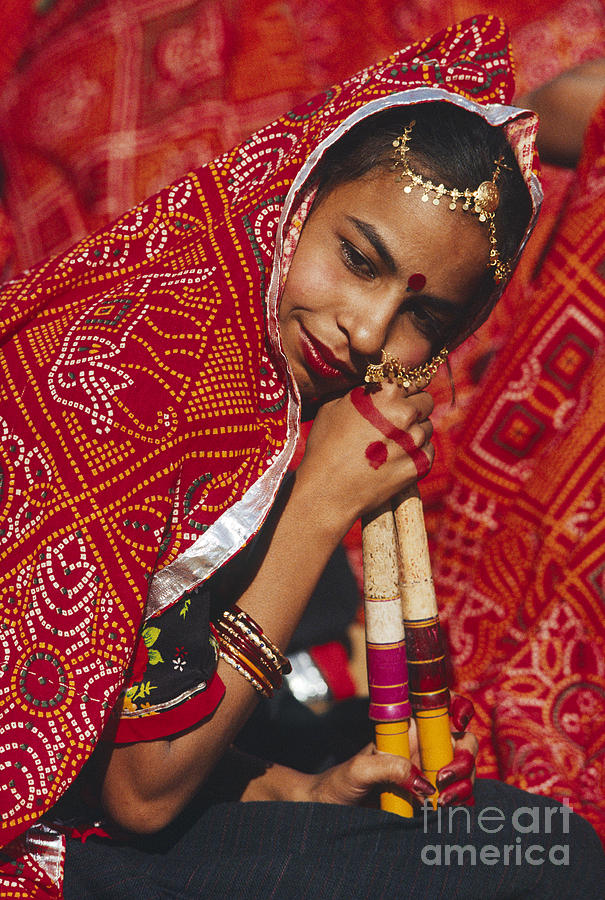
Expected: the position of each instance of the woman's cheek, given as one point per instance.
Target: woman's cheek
(319, 287)
(405, 342)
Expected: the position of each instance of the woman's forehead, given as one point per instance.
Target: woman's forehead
(448, 243)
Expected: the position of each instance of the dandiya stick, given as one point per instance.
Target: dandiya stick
(385, 645)
(426, 659)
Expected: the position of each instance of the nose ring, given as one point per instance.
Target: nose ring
(391, 368)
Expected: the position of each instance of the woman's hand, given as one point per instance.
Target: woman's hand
(352, 782)
(455, 780)
(365, 447)
(359, 780)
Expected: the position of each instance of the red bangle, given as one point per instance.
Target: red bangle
(246, 624)
(243, 644)
(232, 638)
(234, 659)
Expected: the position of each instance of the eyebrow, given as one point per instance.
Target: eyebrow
(452, 310)
(438, 303)
(371, 235)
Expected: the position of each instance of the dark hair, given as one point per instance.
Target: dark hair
(451, 145)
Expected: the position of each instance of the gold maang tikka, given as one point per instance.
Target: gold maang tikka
(390, 368)
(483, 201)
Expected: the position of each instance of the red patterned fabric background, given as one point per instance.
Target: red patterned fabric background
(107, 102)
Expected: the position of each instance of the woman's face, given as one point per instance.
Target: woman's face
(376, 268)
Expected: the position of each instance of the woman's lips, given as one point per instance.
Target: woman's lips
(320, 359)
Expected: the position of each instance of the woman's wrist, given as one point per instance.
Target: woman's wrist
(332, 518)
(278, 783)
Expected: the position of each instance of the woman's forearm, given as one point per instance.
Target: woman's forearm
(239, 776)
(148, 783)
(565, 106)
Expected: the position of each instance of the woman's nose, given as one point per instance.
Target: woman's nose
(367, 324)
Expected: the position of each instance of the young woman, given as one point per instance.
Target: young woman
(177, 350)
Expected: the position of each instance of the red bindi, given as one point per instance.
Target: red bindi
(376, 454)
(416, 282)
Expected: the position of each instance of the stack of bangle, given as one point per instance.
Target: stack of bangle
(242, 644)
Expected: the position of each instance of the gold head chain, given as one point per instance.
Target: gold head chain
(483, 201)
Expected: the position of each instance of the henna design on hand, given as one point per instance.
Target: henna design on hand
(364, 405)
(376, 454)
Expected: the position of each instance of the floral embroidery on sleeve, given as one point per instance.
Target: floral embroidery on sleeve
(176, 658)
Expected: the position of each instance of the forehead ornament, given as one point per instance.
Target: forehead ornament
(483, 201)
(391, 368)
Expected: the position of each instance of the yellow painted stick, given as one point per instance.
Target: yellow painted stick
(393, 737)
(385, 644)
(425, 653)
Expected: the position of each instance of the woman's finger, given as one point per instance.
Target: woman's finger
(408, 409)
(395, 770)
(467, 741)
(351, 782)
(417, 784)
(459, 768)
(461, 712)
(421, 433)
(456, 794)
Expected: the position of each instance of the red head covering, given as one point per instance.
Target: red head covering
(147, 416)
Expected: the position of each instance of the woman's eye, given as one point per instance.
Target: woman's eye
(425, 321)
(356, 261)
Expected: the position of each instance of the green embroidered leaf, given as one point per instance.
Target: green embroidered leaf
(150, 636)
(155, 657)
(144, 688)
(186, 605)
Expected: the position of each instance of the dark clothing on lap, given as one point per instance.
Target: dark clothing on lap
(326, 852)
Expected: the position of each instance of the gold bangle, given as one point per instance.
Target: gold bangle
(231, 641)
(242, 671)
(248, 627)
(242, 643)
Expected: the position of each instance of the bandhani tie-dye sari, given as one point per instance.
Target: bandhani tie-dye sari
(148, 416)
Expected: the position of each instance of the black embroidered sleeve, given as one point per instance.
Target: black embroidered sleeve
(174, 684)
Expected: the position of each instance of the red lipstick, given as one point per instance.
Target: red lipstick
(320, 359)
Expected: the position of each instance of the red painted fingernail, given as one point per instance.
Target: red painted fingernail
(461, 767)
(462, 712)
(445, 777)
(420, 785)
(458, 792)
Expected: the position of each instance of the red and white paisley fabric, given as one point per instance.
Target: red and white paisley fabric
(147, 419)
